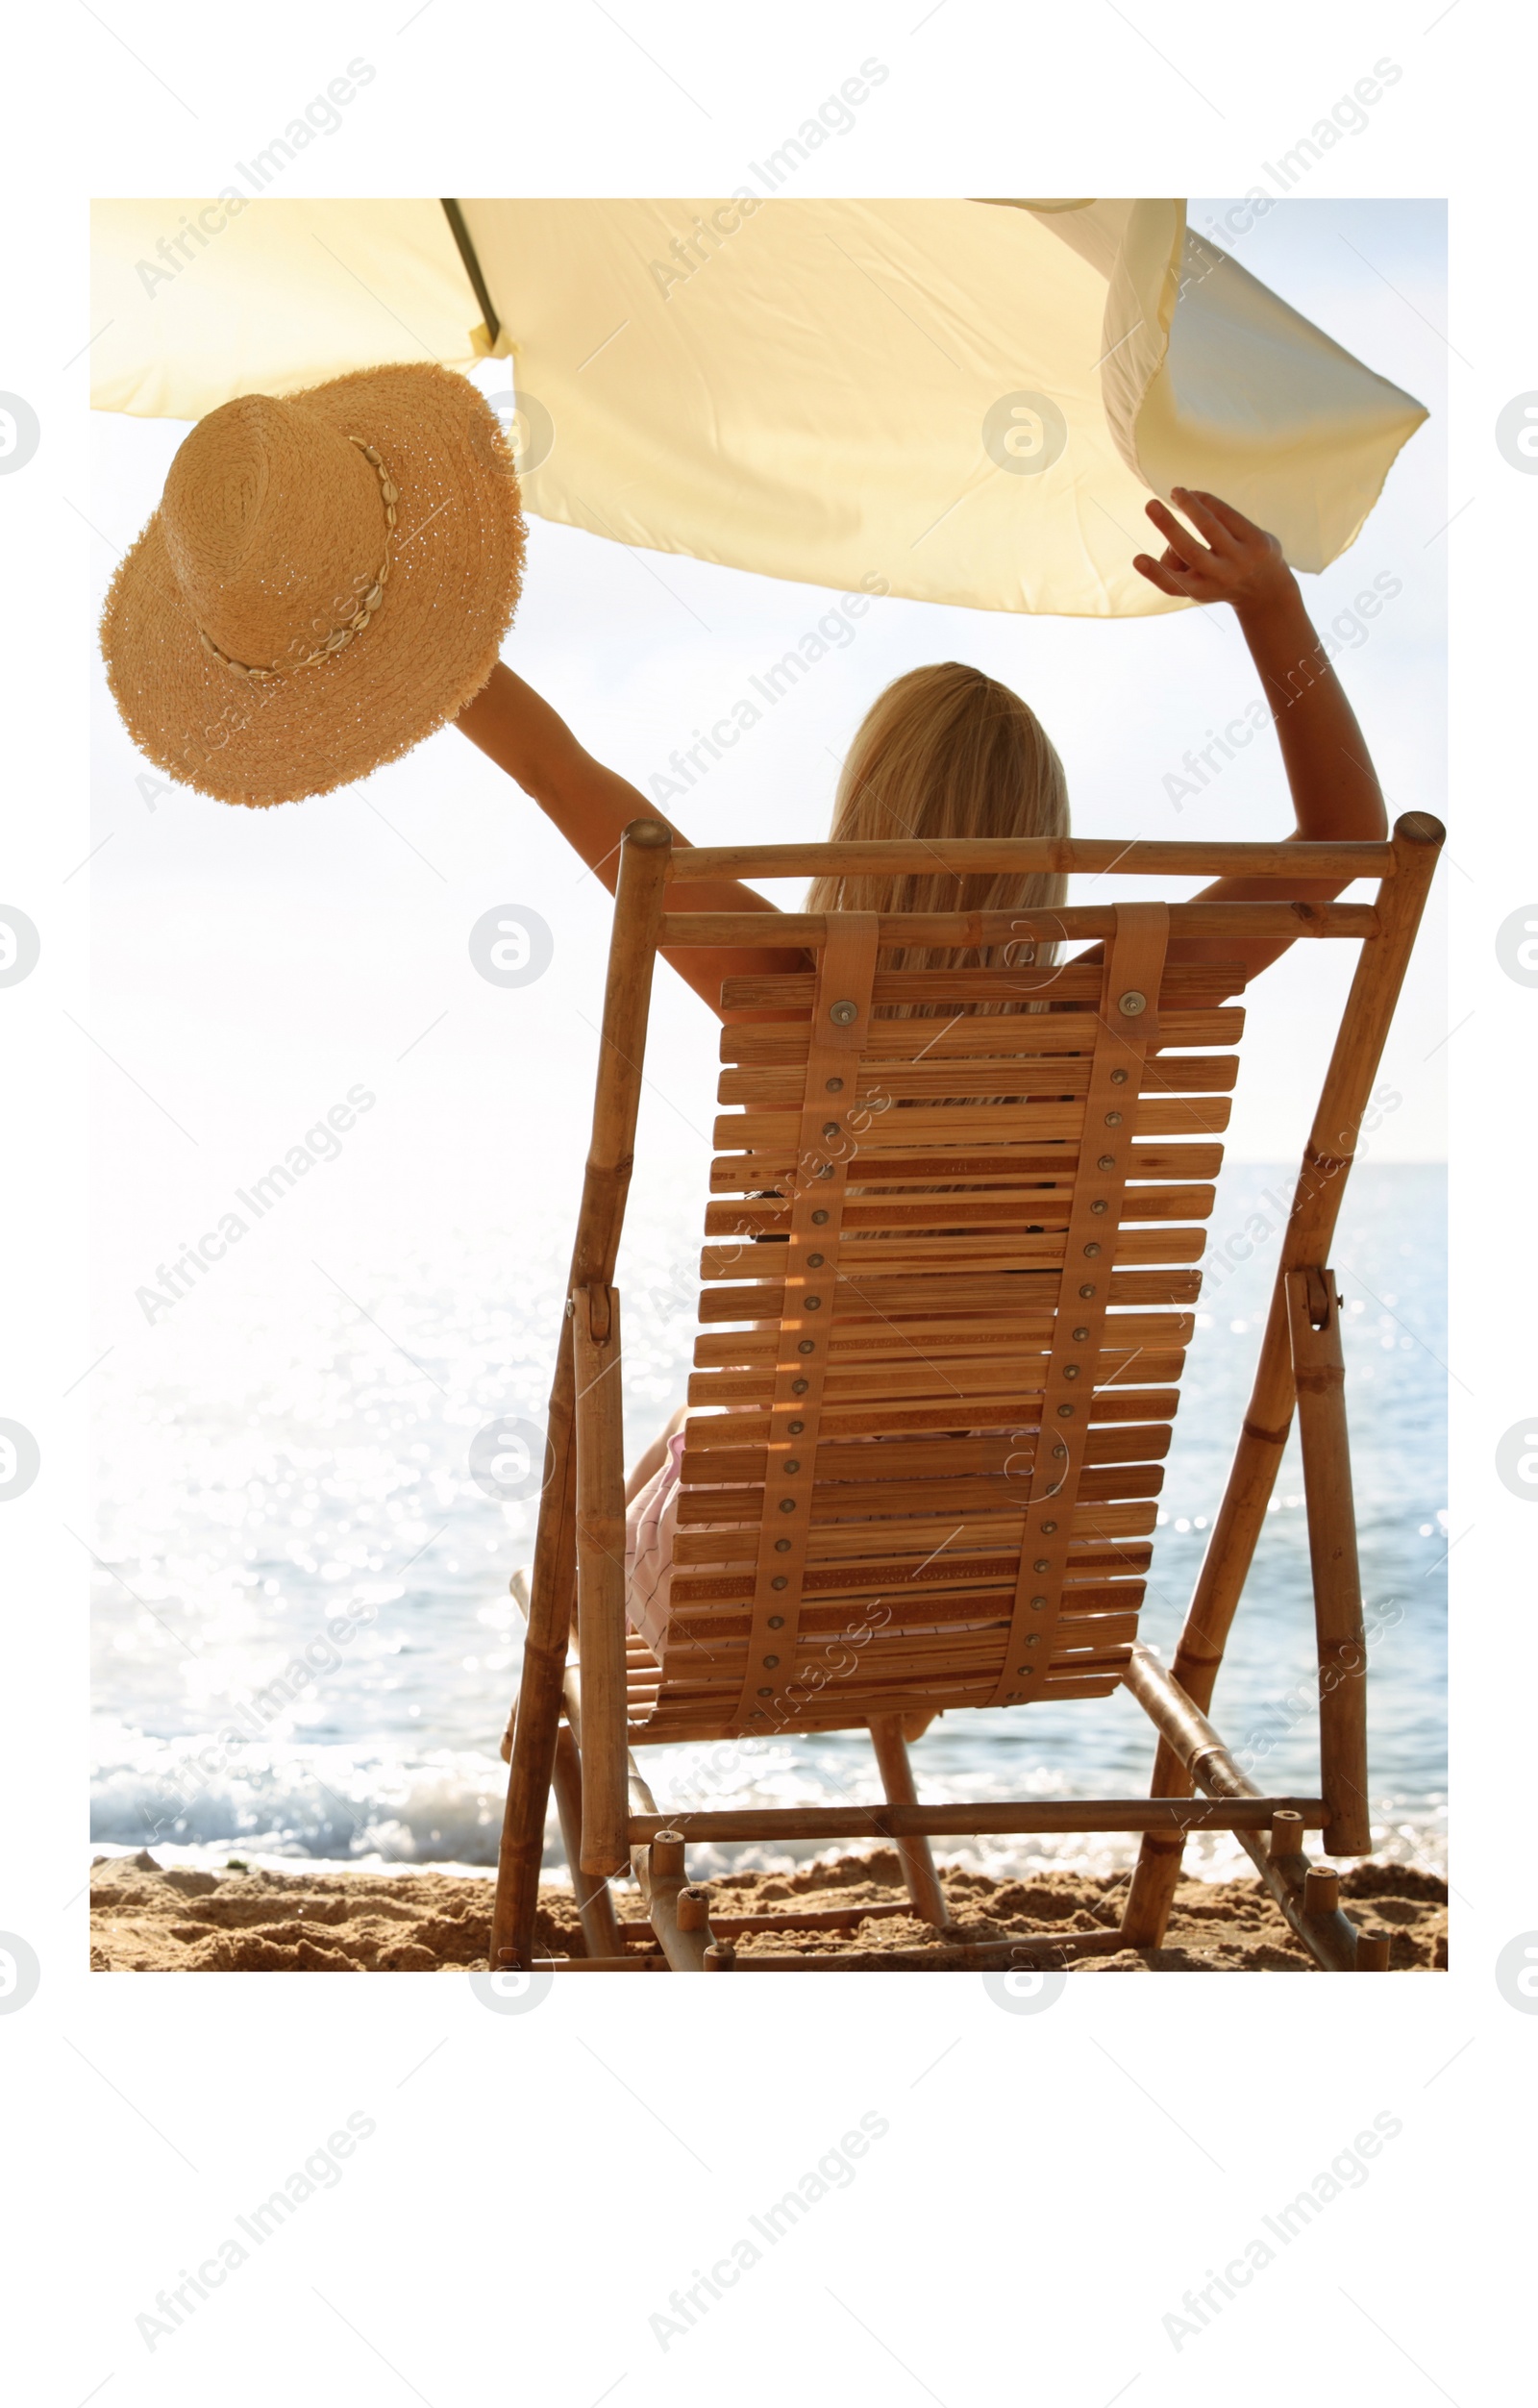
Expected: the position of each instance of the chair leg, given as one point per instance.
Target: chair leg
(1319, 1368)
(1198, 1657)
(595, 1903)
(601, 1579)
(897, 1782)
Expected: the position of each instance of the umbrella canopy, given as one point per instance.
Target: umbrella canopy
(958, 401)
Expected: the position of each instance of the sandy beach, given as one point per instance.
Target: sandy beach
(146, 1918)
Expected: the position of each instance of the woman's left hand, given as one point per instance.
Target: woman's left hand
(1239, 562)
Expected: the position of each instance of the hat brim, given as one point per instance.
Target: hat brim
(455, 569)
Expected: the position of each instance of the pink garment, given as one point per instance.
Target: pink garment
(651, 1519)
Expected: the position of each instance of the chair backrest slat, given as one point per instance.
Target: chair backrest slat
(892, 1272)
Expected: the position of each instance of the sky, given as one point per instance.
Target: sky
(250, 967)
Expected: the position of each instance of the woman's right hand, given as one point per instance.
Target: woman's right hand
(1238, 563)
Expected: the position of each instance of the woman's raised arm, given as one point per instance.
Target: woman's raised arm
(592, 806)
(1335, 793)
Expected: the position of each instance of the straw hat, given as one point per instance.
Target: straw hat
(327, 579)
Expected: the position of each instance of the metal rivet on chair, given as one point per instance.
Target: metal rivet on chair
(795, 1428)
(1113, 1120)
(806, 1346)
(799, 1387)
(770, 1662)
(1043, 1563)
(1106, 1162)
(814, 1262)
(1032, 1638)
(1049, 1528)
(1132, 1003)
(781, 1547)
(811, 1303)
(830, 1129)
(792, 1467)
(1038, 1604)
(819, 1216)
(843, 1014)
(787, 1504)
(1070, 1371)
(1065, 1412)
(1059, 1449)
(1089, 1290)
(1118, 1077)
(766, 1691)
(836, 1086)
(1098, 1204)
(1079, 1335)
(776, 1622)
(1092, 1248)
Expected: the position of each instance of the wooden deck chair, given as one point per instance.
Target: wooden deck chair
(951, 1258)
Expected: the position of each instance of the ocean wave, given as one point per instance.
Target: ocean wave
(444, 1807)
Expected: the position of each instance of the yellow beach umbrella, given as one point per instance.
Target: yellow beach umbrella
(958, 401)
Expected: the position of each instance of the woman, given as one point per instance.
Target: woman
(975, 762)
(330, 576)
(947, 752)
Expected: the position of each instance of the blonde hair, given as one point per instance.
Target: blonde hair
(943, 751)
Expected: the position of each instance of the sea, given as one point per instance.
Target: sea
(304, 1647)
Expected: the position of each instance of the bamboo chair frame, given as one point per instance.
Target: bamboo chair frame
(573, 1720)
